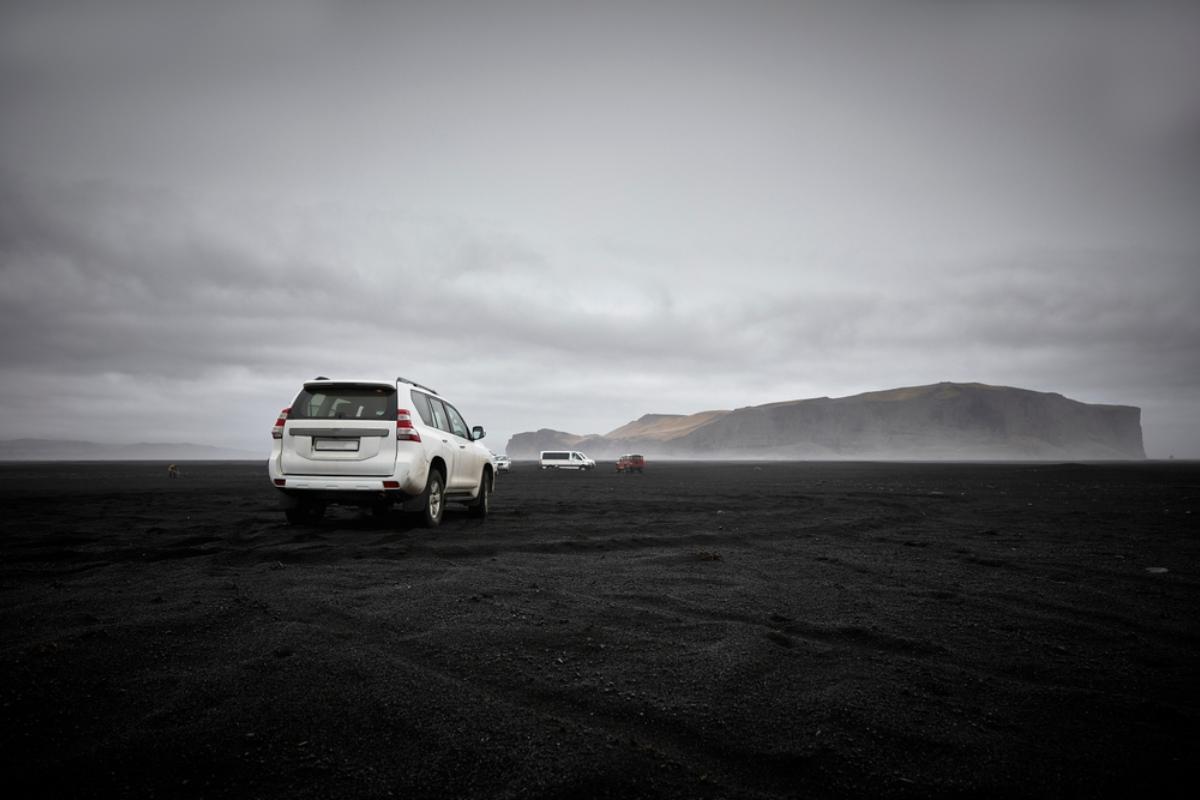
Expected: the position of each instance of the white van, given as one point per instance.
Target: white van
(566, 459)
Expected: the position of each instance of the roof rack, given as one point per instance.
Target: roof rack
(414, 383)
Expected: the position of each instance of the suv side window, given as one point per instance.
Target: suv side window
(457, 426)
(439, 414)
(421, 401)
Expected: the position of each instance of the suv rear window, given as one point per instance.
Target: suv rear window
(345, 402)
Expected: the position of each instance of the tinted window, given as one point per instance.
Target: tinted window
(421, 403)
(552, 454)
(457, 425)
(439, 414)
(345, 402)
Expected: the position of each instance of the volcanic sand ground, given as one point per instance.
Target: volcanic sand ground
(702, 630)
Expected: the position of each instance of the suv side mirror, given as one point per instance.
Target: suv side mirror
(477, 433)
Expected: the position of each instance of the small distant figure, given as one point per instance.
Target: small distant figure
(172, 471)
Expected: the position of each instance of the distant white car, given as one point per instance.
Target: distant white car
(503, 463)
(374, 444)
(566, 459)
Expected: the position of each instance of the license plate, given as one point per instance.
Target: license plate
(339, 445)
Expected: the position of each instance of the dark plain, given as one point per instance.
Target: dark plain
(701, 630)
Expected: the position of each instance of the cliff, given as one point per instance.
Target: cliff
(941, 421)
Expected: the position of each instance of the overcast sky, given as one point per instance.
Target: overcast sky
(566, 216)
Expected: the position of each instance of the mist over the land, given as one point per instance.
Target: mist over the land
(161, 452)
(569, 216)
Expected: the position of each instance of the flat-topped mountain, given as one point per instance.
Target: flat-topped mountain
(663, 427)
(940, 421)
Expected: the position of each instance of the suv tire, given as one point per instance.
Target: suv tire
(434, 499)
(480, 506)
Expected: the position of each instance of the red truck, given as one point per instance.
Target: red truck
(630, 463)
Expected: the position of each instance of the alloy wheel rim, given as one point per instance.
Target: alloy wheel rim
(435, 500)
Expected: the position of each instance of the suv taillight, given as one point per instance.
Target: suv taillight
(404, 427)
(277, 431)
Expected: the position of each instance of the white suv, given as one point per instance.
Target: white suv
(375, 444)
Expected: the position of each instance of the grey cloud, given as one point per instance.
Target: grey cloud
(108, 282)
(68, 259)
(87, 288)
(112, 282)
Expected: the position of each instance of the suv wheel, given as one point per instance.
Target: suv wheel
(435, 500)
(480, 505)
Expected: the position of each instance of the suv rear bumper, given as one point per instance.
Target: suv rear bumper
(408, 480)
(378, 497)
(310, 484)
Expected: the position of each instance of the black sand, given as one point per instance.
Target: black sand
(781, 630)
